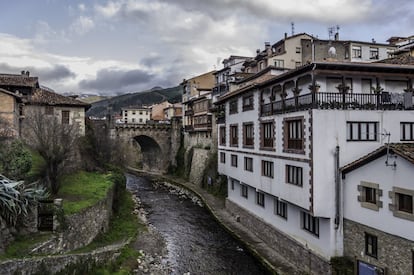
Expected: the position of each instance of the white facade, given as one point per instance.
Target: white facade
(387, 178)
(322, 131)
(139, 115)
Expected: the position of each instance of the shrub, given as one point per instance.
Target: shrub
(16, 160)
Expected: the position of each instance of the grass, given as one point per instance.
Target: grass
(82, 190)
(38, 164)
(22, 245)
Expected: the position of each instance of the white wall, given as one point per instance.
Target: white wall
(377, 172)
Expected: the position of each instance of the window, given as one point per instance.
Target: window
(267, 134)
(222, 157)
(248, 164)
(294, 134)
(234, 139)
(280, 208)
(233, 182)
(49, 110)
(294, 175)
(279, 63)
(402, 203)
(248, 134)
(356, 51)
(406, 131)
(405, 203)
(234, 160)
(297, 49)
(244, 191)
(373, 53)
(140, 120)
(362, 131)
(133, 120)
(369, 195)
(233, 106)
(267, 168)
(65, 117)
(310, 223)
(248, 103)
(371, 245)
(133, 112)
(222, 134)
(260, 198)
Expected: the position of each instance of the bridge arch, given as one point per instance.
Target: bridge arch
(153, 157)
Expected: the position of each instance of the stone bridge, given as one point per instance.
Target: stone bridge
(159, 143)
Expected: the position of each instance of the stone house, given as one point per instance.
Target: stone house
(66, 109)
(285, 138)
(378, 209)
(10, 114)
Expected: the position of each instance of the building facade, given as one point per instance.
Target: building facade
(136, 115)
(285, 139)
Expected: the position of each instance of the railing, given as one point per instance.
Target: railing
(383, 101)
(189, 112)
(204, 126)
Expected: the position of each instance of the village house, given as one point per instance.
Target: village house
(284, 141)
(29, 97)
(10, 114)
(174, 110)
(197, 116)
(165, 110)
(136, 114)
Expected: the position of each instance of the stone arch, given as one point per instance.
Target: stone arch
(153, 157)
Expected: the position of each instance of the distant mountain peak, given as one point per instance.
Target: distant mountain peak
(156, 88)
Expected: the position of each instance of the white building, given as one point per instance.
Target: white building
(378, 209)
(137, 115)
(285, 139)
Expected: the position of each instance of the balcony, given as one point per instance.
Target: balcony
(202, 127)
(342, 101)
(189, 113)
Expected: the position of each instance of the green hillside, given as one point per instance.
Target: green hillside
(99, 109)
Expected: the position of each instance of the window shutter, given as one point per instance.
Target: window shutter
(360, 199)
(380, 192)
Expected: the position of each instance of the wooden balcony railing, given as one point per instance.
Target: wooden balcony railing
(383, 101)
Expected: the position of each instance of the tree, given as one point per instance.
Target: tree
(15, 159)
(54, 141)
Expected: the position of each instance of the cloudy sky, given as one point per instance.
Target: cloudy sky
(120, 46)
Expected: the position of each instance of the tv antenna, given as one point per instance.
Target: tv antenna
(389, 155)
(292, 24)
(333, 31)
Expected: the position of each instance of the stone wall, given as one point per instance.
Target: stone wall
(395, 254)
(74, 263)
(286, 247)
(5, 235)
(81, 228)
(198, 165)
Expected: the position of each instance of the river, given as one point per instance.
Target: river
(196, 243)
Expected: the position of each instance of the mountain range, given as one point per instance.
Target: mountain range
(148, 97)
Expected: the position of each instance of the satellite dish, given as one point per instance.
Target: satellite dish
(332, 52)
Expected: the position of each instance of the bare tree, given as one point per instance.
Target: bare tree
(54, 141)
(6, 130)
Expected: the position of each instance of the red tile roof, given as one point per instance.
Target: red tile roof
(42, 96)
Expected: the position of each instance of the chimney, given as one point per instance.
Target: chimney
(336, 36)
(27, 73)
(257, 51)
(285, 35)
(267, 45)
(23, 72)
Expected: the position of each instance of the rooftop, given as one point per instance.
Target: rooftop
(19, 80)
(45, 97)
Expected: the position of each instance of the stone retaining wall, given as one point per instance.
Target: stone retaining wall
(198, 165)
(81, 228)
(286, 247)
(75, 263)
(5, 235)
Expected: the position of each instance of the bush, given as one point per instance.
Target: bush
(16, 160)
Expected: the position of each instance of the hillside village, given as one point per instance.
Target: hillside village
(314, 138)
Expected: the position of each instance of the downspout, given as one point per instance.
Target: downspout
(337, 188)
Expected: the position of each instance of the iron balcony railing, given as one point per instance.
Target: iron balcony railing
(360, 101)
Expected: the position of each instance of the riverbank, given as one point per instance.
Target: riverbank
(264, 253)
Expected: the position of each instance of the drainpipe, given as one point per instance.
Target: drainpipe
(337, 188)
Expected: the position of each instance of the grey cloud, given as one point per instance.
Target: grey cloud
(56, 73)
(109, 80)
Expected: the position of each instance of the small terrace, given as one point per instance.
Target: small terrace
(342, 101)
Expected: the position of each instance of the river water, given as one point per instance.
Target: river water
(196, 243)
